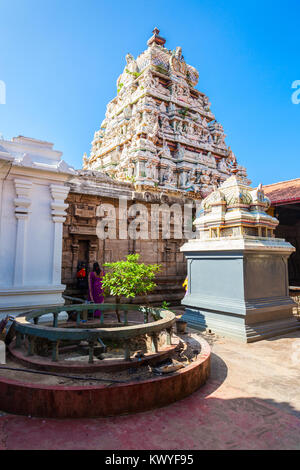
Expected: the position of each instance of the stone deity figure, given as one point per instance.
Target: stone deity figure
(205, 177)
(168, 176)
(153, 136)
(206, 103)
(215, 180)
(150, 170)
(147, 80)
(162, 107)
(177, 62)
(188, 180)
(179, 127)
(183, 179)
(129, 72)
(180, 152)
(127, 112)
(221, 141)
(85, 161)
(204, 135)
(165, 152)
(193, 176)
(131, 63)
(190, 128)
(231, 158)
(130, 169)
(193, 181)
(165, 125)
(197, 130)
(222, 166)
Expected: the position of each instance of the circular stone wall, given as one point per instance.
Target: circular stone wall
(94, 401)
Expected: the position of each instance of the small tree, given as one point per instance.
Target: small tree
(129, 278)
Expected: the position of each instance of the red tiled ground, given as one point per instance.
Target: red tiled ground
(251, 402)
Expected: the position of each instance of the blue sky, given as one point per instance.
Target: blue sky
(60, 61)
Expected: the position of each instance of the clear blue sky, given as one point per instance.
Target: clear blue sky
(60, 61)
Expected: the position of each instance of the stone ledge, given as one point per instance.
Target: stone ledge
(88, 402)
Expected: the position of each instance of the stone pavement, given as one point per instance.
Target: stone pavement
(251, 401)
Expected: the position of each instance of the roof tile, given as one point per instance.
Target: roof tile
(284, 191)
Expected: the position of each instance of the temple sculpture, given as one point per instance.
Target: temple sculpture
(237, 269)
(159, 132)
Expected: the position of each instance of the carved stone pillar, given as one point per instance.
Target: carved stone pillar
(22, 210)
(59, 194)
(93, 249)
(75, 251)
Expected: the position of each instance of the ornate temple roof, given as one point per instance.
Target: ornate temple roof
(235, 210)
(159, 131)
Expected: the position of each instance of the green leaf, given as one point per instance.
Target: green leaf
(130, 278)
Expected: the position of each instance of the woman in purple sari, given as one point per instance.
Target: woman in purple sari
(95, 288)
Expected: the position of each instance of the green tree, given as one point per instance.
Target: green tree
(129, 278)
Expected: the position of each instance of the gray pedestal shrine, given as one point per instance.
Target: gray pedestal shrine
(237, 269)
(239, 288)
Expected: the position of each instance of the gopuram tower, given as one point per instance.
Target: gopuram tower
(159, 132)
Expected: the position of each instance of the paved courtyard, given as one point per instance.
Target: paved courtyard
(251, 401)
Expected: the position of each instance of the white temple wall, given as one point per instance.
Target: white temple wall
(39, 238)
(7, 235)
(32, 212)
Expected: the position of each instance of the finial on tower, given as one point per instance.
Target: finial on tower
(156, 38)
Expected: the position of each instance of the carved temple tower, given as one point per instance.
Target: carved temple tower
(159, 131)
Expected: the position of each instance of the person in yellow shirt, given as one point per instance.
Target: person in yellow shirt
(185, 284)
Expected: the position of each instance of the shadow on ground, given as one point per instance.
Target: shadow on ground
(249, 402)
(197, 422)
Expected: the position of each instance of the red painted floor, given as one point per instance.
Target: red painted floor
(224, 414)
(197, 422)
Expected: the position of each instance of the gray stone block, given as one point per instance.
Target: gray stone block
(240, 292)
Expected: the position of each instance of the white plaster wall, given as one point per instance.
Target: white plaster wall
(39, 246)
(7, 235)
(28, 170)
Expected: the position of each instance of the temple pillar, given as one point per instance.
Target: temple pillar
(93, 249)
(75, 251)
(58, 206)
(22, 210)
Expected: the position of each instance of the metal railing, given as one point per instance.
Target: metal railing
(25, 329)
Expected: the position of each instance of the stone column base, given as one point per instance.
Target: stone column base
(236, 327)
(239, 287)
(14, 301)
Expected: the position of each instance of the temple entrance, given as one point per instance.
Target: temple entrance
(83, 252)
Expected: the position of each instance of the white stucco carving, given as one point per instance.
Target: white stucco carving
(158, 105)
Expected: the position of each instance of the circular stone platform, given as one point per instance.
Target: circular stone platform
(45, 364)
(58, 401)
